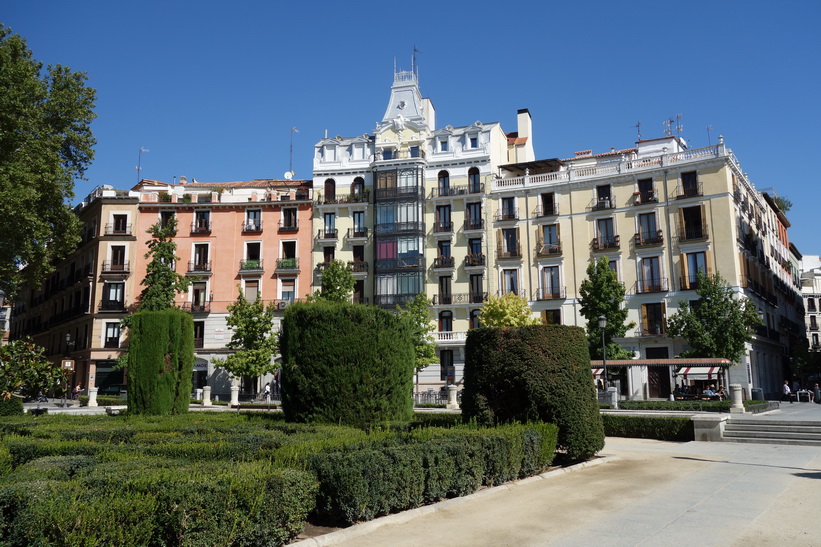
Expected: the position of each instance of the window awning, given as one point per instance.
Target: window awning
(699, 373)
(597, 372)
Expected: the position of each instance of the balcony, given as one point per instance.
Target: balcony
(648, 239)
(289, 225)
(118, 229)
(357, 233)
(548, 249)
(645, 197)
(474, 225)
(199, 267)
(391, 154)
(250, 265)
(511, 252)
(602, 204)
(475, 261)
(112, 305)
(287, 265)
(360, 197)
(550, 211)
(450, 337)
(443, 262)
(449, 191)
(404, 192)
(814, 326)
(688, 283)
(358, 266)
(116, 267)
(550, 293)
(603, 244)
(509, 214)
(252, 226)
(112, 342)
(399, 264)
(393, 300)
(201, 227)
(400, 228)
(443, 228)
(690, 232)
(650, 285)
(657, 329)
(458, 299)
(689, 191)
(197, 307)
(327, 235)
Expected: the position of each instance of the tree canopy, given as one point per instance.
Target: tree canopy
(24, 369)
(252, 337)
(417, 314)
(162, 282)
(45, 144)
(602, 294)
(337, 283)
(508, 310)
(719, 324)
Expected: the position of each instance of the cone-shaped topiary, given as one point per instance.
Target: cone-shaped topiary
(531, 373)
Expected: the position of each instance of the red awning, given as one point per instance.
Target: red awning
(700, 373)
(597, 372)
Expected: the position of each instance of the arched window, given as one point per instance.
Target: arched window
(474, 186)
(330, 190)
(474, 319)
(358, 186)
(445, 321)
(444, 183)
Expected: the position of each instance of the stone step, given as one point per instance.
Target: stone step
(769, 434)
(779, 440)
(753, 421)
(785, 429)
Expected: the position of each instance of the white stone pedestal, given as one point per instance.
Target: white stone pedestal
(206, 396)
(735, 395)
(452, 404)
(234, 395)
(92, 396)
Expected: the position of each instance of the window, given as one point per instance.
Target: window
(606, 233)
(252, 250)
(614, 267)
(550, 282)
(473, 215)
(650, 275)
(201, 256)
(510, 281)
(474, 184)
(447, 371)
(253, 220)
(199, 296)
(166, 217)
(552, 317)
(199, 334)
(359, 253)
(689, 184)
(330, 190)
(414, 151)
(648, 231)
(443, 223)
(550, 239)
(359, 292)
(445, 296)
(473, 141)
(475, 245)
(113, 296)
(443, 183)
(120, 224)
(289, 218)
(359, 223)
(288, 290)
(443, 145)
(328, 253)
(652, 319)
(112, 335)
(387, 153)
(330, 224)
(603, 200)
(444, 248)
(358, 186)
(510, 242)
(811, 304)
(692, 225)
(694, 263)
(251, 289)
(813, 323)
(330, 153)
(646, 192)
(548, 200)
(815, 340)
(118, 257)
(509, 211)
(446, 321)
(477, 294)
(474, 319)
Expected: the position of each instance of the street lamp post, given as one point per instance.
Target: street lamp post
(602, 325)
(64, 368)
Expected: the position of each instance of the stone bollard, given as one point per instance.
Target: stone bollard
(613, 397)
(206, 396)
(735, 395)
(92, 396)
(452, 404)
(234, 395)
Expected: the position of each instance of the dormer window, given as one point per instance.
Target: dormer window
(330, 153)
(473, 141)
(443, 145)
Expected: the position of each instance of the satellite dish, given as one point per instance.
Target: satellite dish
(288, 175)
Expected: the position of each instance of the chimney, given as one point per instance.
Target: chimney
(525, 127)
(183, 180)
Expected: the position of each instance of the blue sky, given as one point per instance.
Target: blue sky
(213, 88)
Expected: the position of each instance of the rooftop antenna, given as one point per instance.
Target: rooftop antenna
(414, 68)
(668, 127)
(140, 161)
(638, 130)
(679, 126)
(291, 158)
(709, 141)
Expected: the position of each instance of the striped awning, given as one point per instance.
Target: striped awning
(597, 372)
(699, 373)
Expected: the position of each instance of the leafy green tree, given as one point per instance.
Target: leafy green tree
(508, 310)
(417, 314)
(45, 144)
(337, 283)
(602, 294)
(252, 337)
(162, 283)
(719, 325)
(24, 369)
(783, 203)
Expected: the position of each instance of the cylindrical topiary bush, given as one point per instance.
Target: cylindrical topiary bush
(346, 364)
(160, 362)
(539, 372)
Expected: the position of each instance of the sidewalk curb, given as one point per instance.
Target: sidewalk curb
(357, 530)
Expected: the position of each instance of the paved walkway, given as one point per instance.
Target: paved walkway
(642, 492)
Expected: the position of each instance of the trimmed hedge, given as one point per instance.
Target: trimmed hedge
(534, 373)
(706, 406)
(11, 407)
(662, 428)
(105, 400)
(327, 378)
(160, 362)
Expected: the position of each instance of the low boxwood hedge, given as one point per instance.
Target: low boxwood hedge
(663, 428)
(104, 400)
(704, 406)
